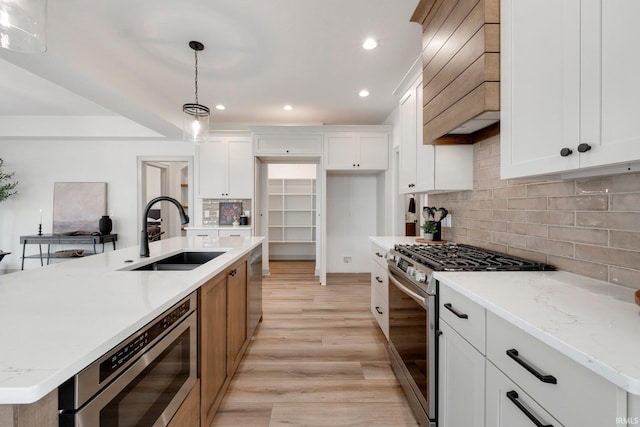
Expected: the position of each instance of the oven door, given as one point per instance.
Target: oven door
(150, 391)
(412, 344)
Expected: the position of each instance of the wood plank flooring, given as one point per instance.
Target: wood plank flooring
(317, 359)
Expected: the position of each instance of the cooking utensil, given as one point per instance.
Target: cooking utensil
(440, 214)
(428, 212)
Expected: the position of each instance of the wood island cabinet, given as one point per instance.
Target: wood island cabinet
(236, 314)
(212, 345)
(223, 334)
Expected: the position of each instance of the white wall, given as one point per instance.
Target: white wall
(352, 216)
(38, 164)
(292, 171)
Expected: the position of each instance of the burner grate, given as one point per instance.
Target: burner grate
(460, 257)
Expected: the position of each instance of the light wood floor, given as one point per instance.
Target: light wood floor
(318, 358)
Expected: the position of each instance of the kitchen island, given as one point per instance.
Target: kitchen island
(58, 319)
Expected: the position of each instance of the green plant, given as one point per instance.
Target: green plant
(7, 186)
(430, 227)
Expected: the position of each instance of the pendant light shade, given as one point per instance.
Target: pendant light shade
(195, 125)
(23, 25)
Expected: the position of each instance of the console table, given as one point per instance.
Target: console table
(63, 239)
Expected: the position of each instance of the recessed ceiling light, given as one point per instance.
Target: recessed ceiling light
(288, 107)
(364, 93)
(220, 107)
(369, 44)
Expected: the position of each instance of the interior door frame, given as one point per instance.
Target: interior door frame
(142, 161)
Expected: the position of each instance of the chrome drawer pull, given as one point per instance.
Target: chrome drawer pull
(513, 397)
(378, 279)
(549, 379)
(459, 315)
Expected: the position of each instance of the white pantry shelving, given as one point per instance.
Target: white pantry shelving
(292, 210)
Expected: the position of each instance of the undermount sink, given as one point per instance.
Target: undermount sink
(180, 261)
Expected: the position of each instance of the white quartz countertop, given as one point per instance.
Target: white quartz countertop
(594, 323)
(56, 320)
(388, 242)
(218, 227)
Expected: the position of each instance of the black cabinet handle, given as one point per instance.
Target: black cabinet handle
(583, 148)
(378, 310)
(566, 152)
(358, 165)
(513, 397)
(549, 379)
(233, 272)
(378, 279)
(379, 255)
(451, 309)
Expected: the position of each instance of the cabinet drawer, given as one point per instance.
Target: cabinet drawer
(463, 315)
(380, 307)
(378, 254)
(535, 366)
(244, 232)
(507, 405)
(211, 233)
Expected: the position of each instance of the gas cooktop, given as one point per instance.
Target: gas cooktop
(461, 257)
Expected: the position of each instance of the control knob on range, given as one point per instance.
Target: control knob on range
(420, 276)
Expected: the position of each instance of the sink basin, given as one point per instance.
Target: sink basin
(181, 261)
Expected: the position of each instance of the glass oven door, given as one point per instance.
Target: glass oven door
(149, 392)
(410, 340)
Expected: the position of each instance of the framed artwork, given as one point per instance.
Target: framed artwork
(78, 206)
(229, 212)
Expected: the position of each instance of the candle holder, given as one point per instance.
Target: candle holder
(39, 229)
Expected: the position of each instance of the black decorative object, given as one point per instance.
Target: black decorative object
(105, 225)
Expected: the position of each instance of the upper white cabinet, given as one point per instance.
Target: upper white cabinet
(428, 168)
(287, 144)
(225, 168)
(569, 93)
(356, 151)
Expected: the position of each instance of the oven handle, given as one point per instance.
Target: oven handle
(408, 291)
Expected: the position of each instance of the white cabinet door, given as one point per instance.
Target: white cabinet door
(409, 140)
(240, 164)
(568, 93)
(540, 86)
(287, 144)
(356, 151)
(225, 168)
(461, 382)
(610, 84)
(380, 296)
(212, 175)
(509, 406)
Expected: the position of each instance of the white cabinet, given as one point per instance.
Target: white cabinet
(428, 168)
(214, 232)
(380, 287)
(225, 168)
(356, 151)
(287, 144)
(461, 381)
(560, 385)
(569, 93)
(461, 359)
(509, 406)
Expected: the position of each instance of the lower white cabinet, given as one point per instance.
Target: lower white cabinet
(380, 287)
(509, 406)
(215, 232)
(461, 381)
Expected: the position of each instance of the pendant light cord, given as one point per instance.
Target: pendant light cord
(196, 54)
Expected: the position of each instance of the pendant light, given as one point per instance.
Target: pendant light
(196, 116)
(23, 25)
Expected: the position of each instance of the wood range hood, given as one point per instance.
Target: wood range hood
(461, 69)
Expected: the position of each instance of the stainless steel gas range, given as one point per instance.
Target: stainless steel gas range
(413, 312)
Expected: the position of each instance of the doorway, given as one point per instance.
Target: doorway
(288, 205)
(165, 176)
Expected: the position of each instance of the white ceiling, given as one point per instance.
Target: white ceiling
(132, 59)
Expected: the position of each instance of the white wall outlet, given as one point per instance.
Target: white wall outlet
(446, 222)
(346, 260)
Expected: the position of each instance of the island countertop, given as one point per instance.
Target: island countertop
(58, 319)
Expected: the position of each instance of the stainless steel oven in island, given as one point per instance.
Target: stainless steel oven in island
(140, 382)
